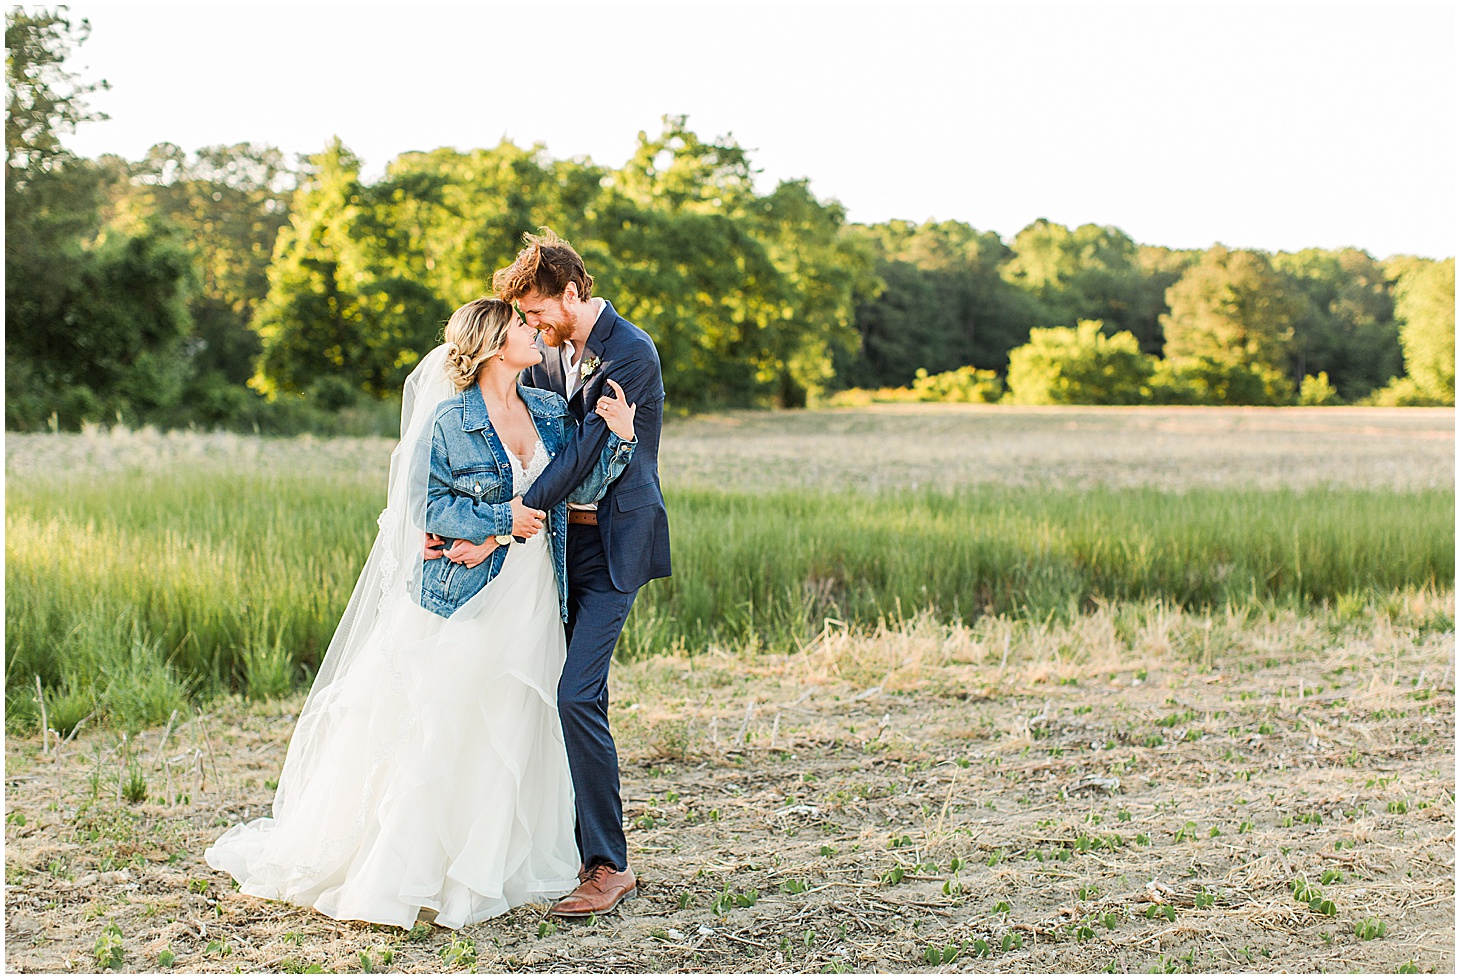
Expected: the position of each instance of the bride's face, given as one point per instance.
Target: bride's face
(520, 351)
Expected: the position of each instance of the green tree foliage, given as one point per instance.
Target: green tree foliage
(685, 263)
(153, 289)
(365, 276)
(94, 321)
(823, 270)
(943, 303)
(1080, 366)
(1090, 273)
(450, 219)
(44, 100)
(1426, 308)
(965, 385)
(1162, 268)
(749, 297)
(1347, 328)
(50, 200)
(227, 204)
(230, 201)
(339, 318)
(1230, 329)
(125, 318)
(1317, 391)
(1211, 381)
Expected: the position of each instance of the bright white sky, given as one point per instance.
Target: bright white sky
(1267, 127)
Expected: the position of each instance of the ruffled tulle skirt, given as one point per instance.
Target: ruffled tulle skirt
(433, 774)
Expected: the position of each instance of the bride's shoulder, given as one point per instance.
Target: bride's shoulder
(454, 403)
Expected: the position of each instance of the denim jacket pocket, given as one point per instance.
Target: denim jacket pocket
(478, 483)
(448, 584)
(436, 579)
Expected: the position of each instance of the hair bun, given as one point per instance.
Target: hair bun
(474, 333)
(456, 366)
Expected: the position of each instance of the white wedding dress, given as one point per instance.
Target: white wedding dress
(431, 773)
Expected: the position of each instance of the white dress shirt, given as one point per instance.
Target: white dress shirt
(573, 368)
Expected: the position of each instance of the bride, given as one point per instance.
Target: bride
(427, 769)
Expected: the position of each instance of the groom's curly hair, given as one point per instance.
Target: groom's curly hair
(545, 266)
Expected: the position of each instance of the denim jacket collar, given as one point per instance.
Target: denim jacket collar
(474, 408)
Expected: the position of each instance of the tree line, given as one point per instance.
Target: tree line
(227, 287)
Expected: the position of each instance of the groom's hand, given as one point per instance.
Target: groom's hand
(432, 548)
(525, 520)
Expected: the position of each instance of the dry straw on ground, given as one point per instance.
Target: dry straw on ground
(1141, 789)
(898, 446)
(952, 446)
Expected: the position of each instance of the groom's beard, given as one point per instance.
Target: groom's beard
(553, 334)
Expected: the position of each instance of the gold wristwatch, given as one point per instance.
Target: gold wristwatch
(503, 539)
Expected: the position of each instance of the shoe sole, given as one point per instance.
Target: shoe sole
(632, 892)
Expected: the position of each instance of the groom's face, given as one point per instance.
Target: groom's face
(548, 314)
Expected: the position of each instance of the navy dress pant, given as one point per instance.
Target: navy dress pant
(596, 614)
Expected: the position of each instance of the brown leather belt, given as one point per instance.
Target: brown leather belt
(589, 517)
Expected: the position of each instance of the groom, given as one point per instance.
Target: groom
(614, 546)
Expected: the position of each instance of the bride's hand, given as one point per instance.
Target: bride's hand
(526, 521)
(469, 554)
(616, 412)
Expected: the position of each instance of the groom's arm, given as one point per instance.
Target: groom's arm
(579, 456)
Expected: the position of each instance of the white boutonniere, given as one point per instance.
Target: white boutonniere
(590, 364)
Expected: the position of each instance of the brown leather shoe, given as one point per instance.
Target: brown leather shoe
(601, 891)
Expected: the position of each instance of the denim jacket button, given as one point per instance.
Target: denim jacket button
(478, 487)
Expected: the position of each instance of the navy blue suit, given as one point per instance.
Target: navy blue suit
(607, 564)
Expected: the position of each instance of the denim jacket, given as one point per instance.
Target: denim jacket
(469, 492)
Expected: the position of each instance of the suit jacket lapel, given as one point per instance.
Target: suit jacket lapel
(592, 350)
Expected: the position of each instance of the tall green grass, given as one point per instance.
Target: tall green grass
(775, 566)
(128, 593)
(219, 574)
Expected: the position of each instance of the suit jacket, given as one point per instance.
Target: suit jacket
(631, 516)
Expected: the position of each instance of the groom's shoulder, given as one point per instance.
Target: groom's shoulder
(634, 339)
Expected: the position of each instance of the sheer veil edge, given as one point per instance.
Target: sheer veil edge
(391, 570)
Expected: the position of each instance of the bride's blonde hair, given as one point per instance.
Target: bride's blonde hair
(474, 334)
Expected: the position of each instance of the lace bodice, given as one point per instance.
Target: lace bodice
(524, 477)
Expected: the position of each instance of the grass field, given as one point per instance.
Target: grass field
(932, 690)
(142, 569)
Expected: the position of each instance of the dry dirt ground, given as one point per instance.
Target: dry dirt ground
(1138, 790)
